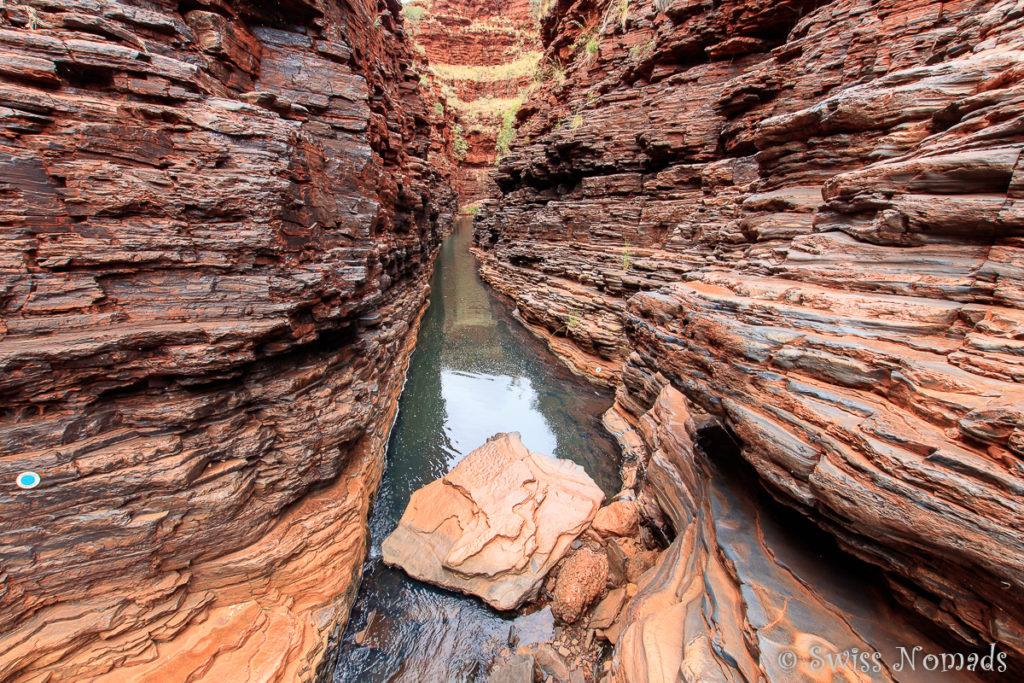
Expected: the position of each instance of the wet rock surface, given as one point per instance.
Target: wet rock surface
(218, 220)
(496, 524)
(806, 218)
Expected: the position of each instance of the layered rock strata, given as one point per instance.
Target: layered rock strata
(218, 219)
(807, 218)
(485, 55)
(496, 524)
(732, 598)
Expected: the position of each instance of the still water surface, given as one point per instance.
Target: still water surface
(475, 372)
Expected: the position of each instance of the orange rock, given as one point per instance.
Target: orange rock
(617, 519)
(496, 524)
(581, 579)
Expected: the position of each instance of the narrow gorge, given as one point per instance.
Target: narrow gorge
(667, 340)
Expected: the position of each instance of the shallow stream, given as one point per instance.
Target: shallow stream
(475, 372)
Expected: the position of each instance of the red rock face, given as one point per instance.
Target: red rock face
(218, 219)
(485, 54)
(807, 217)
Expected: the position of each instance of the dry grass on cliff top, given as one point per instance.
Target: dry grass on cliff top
(485, 107)
(518, 68)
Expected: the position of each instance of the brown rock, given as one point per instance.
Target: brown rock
(617, 519)
(639, 563)
(607, 610)
(581, 579)
(496, 524)
(810, 224)
(216, 229)
(617, 562)
(518, 669)
(550, 664)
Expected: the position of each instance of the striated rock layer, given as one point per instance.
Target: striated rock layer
(218, 219)
(485, 54)
(732, 597)
(807, 217)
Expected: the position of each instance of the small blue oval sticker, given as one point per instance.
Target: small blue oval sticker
(28, 480)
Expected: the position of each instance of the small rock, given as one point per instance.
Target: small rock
(616, 562)
(640, 563)
(626, 494)
(518, 669)
(564, 651)
(612, 633)
(580, 580)
(607, 610)
(370, 619)
(549, 663)
(617, 519)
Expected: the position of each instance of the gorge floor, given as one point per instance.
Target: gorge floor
(476, 371)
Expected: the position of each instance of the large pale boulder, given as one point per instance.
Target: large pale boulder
(495, 524)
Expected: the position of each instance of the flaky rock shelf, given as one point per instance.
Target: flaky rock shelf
(218, 219)
(807, 217)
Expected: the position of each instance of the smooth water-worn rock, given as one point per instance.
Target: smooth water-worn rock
(733, 597)
(496, 524)
(806, 217)
(218, 220)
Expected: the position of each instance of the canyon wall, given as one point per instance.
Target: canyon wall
(218, 222)
(485, 55)
(808, 219)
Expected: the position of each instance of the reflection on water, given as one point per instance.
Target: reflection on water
(475, 372)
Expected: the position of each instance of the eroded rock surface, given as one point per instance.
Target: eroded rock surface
(581, 579)
(496, 524)
(732, 598)
(217, 222)
(807, 218)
